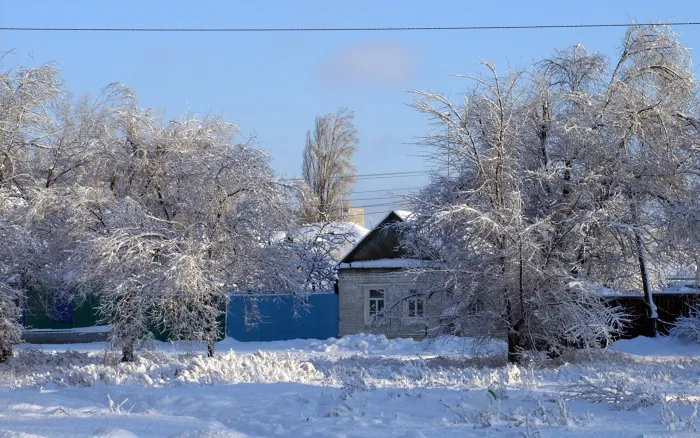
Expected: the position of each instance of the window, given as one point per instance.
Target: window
(416, 307)
(476, 305)
(376, 302)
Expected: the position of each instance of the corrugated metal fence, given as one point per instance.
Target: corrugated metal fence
(50, 312)
(318, 319)
(669, 306)
(274, 318)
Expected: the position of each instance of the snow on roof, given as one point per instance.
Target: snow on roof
(402, 214)
(385, 263)
(680, 289)
(79, 330)
(311, 231)
(601, 290)
(608, 292)
(339, 227)
(350, 232)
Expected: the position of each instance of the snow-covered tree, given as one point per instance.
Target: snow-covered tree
(160, 220)
(306, 257)
(26, 96)
(183, 217)
(563, 179)
(503, 260)
(327, 168)
(653, 155)
(11, 290)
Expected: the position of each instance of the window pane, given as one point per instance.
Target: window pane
(380, 305)
(411, 308)
(419, 307)
(376, 293)
(372, 307)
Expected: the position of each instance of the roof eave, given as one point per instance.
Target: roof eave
(368, 235)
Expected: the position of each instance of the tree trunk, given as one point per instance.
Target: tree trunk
(128, 352)
(514, 348)
(210, 347)
(652, 313)
(5, 353)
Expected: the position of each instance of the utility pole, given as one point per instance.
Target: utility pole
(449, 146)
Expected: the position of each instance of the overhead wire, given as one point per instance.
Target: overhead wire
(367, 176)
(391, 192)
(340, 29)
(351, 29)
(385, 190)
(380, 198)
(366, 213)
(388, 175)
(382, 204)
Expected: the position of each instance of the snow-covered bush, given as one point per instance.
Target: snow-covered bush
(675, 423)
(487, 411)
(622, 394)
(75, 369)
(687, 328)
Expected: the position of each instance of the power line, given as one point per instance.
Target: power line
(389, 176)
(382, 204)
(366, 213)
(379, 198)
(367, 176)
(338, 29)
(386, 190)
(383, 174)
(382, 211)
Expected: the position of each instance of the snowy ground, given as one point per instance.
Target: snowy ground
(353, 387)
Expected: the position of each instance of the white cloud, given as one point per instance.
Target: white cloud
(370, 62)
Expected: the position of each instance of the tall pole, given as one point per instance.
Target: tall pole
(449, 147)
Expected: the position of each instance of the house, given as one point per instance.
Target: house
(376, 293)
(380, 292)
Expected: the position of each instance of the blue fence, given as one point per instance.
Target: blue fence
(276, 318)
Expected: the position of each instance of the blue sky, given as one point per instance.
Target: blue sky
(274, 84)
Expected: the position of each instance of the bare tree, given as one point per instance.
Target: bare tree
(328, 167)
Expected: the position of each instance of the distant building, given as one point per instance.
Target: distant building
(355, 215)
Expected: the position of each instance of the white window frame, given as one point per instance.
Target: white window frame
(416, 300)
(369, 319)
